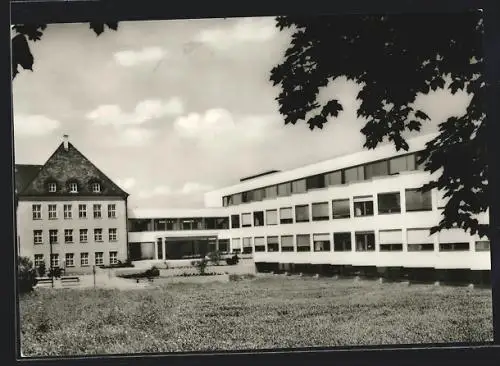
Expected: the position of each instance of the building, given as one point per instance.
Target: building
(69, 213)
(360, 211)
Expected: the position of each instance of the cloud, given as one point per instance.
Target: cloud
(34, 125)
(128, 58)
(193, 187)
(110, 114)
(126, 184)
(132, 137)
(244, 30)
(155, 192)
(219, 124)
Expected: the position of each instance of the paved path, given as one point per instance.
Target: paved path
(102, 280)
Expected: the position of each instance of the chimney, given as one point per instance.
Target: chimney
(65, 142)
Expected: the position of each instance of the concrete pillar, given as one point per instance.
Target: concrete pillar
(163, 249)
(156, 249)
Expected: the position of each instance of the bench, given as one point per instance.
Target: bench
(70, 279)
(150, 279)
(44, 280)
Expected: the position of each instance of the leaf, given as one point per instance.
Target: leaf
(421, 115)
(21, 54)
(98, 28)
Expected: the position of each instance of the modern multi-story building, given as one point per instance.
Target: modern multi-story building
(363, 210)
(69, 213)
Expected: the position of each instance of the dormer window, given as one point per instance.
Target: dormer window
(73, 187)
(52, 187)
(96, 188)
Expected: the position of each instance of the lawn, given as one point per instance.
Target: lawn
(273, 312)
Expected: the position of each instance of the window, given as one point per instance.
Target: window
(287, 243)
(68, 236)
(302, 213)
(237, 199)
(286, 215)
(73, 187)
(247, 196)
(482, 246)
(355, 174)
(365, 242)
(271, 192)
(84, 259)
(259, 194)
(235, 221)
(247, 245)
(98, 235)
(37, 237)
(419, 240)
(260, 244)
(70, 259)
(299, 186)
(321, 242)
(37, 212)
(389, 203)
(316, 181)
(112, 211)
(378, 169)
(99, 258)
(53, 237)
(52, 187)
(320, 211)
(225, 201)
(272, 217)
(454, 247)
(258, 218)
(284, 189)
(341, 209)
(223, 245)
(160, 224)
(402, 164)
(342, 242)
(83, 235)
(334, 178)
(112, 235)
(222, 223)
(52, 212)
(363, 206)
(273, 244)
(236, 245)
(38, 260)
(246, 220)
(54, 260)
(390, 240)
(96, 187)
(416, 200)
(97, 211)
(113, 257)
(82, 211)
(303, 243)
(68, 214)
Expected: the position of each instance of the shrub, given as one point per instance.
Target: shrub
(153, 272)
(55, 272)
(42, 269)
(202, 266)
(26, 274)
(233, 260)
(215, 257)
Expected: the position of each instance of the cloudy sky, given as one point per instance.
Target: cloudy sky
(170, 109)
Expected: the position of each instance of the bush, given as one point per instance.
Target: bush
(233, 260)
(202, 266)
(55, 272)
(215, 257)
(26, 274)
(42, 269)
(153, 272)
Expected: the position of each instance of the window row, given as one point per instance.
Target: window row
(70, 259)
(72, 186)
(68, 211)
(342, 242)
(385, 167)
(388, 203)
(201, 223)
(69, 236)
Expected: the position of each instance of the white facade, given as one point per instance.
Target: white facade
(395, 239)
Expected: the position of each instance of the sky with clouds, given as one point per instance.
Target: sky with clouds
(171, 109)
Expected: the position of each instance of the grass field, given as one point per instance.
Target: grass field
(277, 312)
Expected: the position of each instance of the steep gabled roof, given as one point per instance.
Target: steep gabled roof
(25, 173)
(70, 165)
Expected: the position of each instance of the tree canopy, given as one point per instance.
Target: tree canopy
(394, 58)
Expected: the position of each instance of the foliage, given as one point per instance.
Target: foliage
(233, 260)
(42, 269)
(21, 52)
(55, 272)
(26, 275)
(140, 273)
(395, 58)
(262, 313)
(215, 257)
(202, 266)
